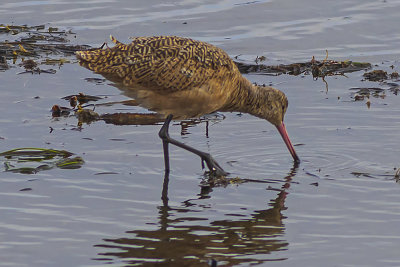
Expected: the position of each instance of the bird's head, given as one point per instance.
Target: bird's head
(268, 103)
(271, 104)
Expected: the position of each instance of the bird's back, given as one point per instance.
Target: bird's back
(167, 63)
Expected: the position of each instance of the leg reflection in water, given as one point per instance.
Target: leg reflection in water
(184, 237)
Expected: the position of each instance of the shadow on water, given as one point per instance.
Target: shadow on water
(226, 242)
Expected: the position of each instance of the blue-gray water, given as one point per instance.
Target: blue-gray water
(338, 208)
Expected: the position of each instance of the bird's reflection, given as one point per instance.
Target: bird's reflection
(179, 242)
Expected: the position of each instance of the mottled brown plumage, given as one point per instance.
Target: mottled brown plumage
(186, 78)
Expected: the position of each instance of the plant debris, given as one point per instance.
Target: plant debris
(394, 75)
(365, 93)
(380, 76)
(81, 98)
(26, 43)
(96, 80)
(314, 67)
(3, 64)
(86, 115)
(27, 160)
(132, 118)
(58, 111)
(376, 75)
(35, 153)
(28, 64)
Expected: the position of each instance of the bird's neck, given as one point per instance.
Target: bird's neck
(246, 98)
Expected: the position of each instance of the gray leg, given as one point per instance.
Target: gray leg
(212, 165)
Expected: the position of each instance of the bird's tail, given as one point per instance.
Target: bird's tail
(108, 61)
(92, 55)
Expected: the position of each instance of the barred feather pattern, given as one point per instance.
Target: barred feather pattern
(168, 62)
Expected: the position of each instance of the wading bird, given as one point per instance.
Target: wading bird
(180, 78)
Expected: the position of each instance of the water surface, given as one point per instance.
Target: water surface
(339, 207)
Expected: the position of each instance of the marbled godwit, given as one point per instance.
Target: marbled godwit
(180, 78)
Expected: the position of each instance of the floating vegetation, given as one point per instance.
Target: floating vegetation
(394, 75)
(362, 174)
(58, 111)
(132, 118)
(366, 93)
(33, 160)
(318, 69)
(380, 76)
(37, 153)
(81, 98)
(75, 101)
(96, 80)
(3, 64)
(314, 67)
(397, 175)
(376, 75)
(27, 43)
(362, 93)
(86, 115)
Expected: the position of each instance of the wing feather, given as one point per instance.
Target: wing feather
(162, 63)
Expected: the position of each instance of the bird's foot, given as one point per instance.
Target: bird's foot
(212, 165)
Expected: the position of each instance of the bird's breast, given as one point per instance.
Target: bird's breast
(183, 104)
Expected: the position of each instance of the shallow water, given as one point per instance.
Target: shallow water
(339, 207)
